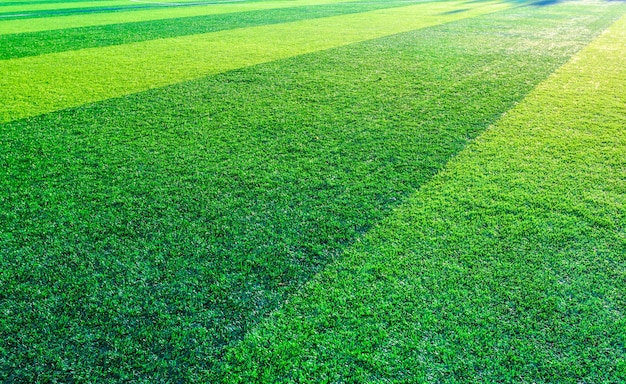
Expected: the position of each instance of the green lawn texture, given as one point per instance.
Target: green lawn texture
(40, 84)
(54, 10)
(508, 266)
(29, 2)
(141, 238)
(86, 20)
(144, 235)
(37, 43)
(25, 8)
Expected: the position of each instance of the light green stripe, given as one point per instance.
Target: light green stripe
(40, 84)
(55, 6)
(89, 20)
(531, 213)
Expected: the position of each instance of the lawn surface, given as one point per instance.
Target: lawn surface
(303, 206)
(21, 25)
(54, 81)
(509, 265)
(37, 43)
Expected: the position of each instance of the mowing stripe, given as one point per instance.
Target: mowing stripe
(65, 22)
(509, 266)
(140, 235)
(38, 43)
(29, 2)
(114, 8)
(36, 85)
(59, 6)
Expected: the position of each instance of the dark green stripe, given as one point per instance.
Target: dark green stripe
(37, 43)
(142, 235)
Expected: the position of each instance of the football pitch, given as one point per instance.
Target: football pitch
(245, 191)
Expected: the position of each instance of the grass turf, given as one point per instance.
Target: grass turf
(31, 2)
(37, 43)
(509, 266)
(87, 20)
(40, 84)
(56, 10)
(26, 8)
(142, 235)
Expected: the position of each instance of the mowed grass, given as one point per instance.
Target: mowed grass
(37, 43)
(25, 8)
(25, 25)
(142, 237)
(33, 12)
(508, 266)
(40, 84)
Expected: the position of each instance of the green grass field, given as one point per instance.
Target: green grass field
(312, 191)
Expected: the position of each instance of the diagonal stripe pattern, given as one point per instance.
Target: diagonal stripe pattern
(515, 249)
(36, 85)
